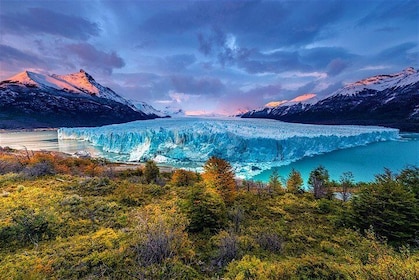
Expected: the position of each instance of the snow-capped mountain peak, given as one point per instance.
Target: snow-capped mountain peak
(35, 79)
(388, 100)
(148, 109)
(33, 99)
(79, 83)
(82, 80)
(380, 82)
(308, 98)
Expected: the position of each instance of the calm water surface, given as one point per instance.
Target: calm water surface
(44, 140)
(364, 161)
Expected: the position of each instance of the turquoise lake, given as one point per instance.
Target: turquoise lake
(363, 161)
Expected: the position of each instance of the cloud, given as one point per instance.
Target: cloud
(241, 100)
(44, 21)
(400, 53)
(277, 62)
(178, 62)
(13, 60)
(387, 29)
(13, 55)
(197, 86)
(336, 66)
(253, 61)
(374, 67)
(391, 11)
(179, 97)
(90, 57)
(265, 92)
(298, 74)
(235, 54)
(321, 57)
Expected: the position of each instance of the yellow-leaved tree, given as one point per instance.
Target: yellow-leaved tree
(219, 174)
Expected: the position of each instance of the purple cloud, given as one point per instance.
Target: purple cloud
(90, 57)
(40, 20)
(336, 66)
(13, 60)
(196, 86)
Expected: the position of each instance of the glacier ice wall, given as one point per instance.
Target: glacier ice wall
(250, 145)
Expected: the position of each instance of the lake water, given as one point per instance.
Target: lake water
(364, 161)
(42, 140)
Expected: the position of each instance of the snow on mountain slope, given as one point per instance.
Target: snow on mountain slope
(85, 83)
(32, 100)
(250, 145)
(148, 109)
(80, 83)
(284, 106)
(380, 82)
(40, 80)
(386, 100)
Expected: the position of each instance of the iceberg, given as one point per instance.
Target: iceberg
(250, 145)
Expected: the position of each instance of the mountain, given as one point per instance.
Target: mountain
(149, 110)
(385, 100)
(33, 100)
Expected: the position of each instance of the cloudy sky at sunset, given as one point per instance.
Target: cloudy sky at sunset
(211, 56)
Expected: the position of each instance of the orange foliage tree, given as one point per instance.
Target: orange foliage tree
(184, 178)
(219, 174)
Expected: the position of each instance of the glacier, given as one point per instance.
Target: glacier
(250, 145)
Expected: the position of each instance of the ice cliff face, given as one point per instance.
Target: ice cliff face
(251, 146)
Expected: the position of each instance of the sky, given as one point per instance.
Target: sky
(211, 57)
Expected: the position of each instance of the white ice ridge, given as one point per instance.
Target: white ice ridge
(250, 145)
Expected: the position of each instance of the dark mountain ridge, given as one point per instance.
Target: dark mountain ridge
(384, 100)
(34, 100)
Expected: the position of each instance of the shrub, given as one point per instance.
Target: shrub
(205, 209)
(227, 244)
(97, 186)
(270, 241)
(184, 178)
(315, 268)
(253, 268)
(294, 182)
(151, 172)
(389, 208)
(160, 235)
(38, 169)
(130, 195)
(10, 165)
(319, 182)
(27, 227)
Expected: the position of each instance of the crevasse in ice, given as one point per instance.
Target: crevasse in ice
(250, 145)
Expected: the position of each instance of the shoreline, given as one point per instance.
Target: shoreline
(14, 130)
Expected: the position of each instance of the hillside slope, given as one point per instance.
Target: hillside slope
(34, 100)
(386, 100)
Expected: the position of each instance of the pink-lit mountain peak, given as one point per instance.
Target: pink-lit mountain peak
(78, 83)
(41, 80)
(308, 98)
(380, 82)
(82, 80)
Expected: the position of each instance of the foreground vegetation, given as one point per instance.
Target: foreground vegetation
(71, 218)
